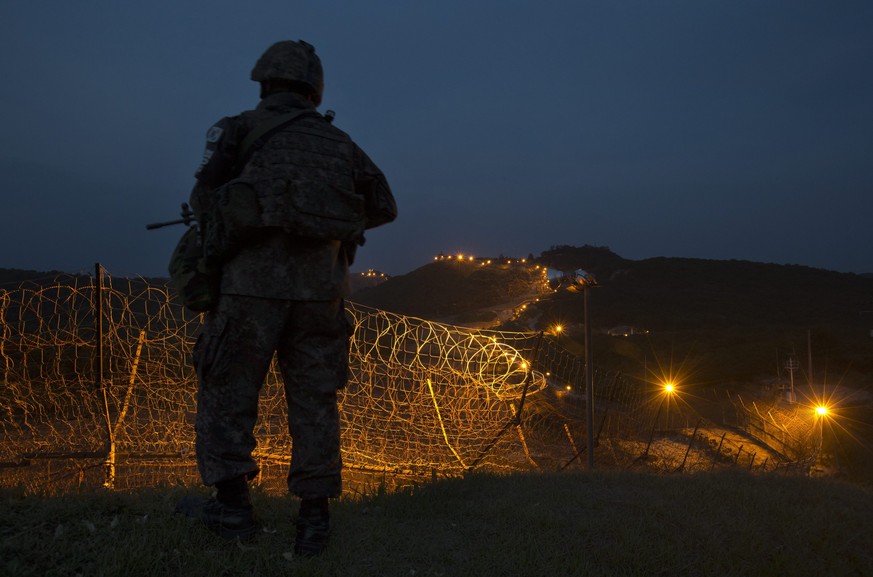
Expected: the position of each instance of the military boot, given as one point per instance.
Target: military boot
(313, 527)
(230, 514)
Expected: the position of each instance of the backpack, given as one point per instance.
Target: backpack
(195, 279)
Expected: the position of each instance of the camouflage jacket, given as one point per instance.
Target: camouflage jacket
(276, 264)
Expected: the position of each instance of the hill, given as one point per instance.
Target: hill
(9, 277)
(728, 321)
(461, 291)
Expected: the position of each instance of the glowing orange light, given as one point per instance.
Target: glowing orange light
(821, 410)
(669, 388)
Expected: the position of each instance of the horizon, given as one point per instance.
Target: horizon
(356, 270)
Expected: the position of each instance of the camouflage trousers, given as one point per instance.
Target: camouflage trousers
(232, 357)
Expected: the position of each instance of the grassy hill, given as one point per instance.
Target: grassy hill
(604, 523)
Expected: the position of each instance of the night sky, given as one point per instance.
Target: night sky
(735, 129)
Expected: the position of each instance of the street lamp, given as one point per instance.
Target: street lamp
(822, 412)
(581, 281)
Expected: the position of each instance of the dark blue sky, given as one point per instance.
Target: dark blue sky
(738, 129)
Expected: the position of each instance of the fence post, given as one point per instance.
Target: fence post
(109, 481)
(717, 452)
(589, 379)
(652, 432)
(572, 442)
(691, 442)
(98, 305)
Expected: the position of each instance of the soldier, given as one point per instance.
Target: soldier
(281, 291)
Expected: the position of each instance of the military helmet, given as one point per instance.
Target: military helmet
(294, 61)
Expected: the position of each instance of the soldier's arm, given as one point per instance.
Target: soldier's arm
(218, 164)
(219, 156)
(372, 184)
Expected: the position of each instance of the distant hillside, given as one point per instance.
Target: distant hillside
(449, 288)
(726, 320)
(10, 278)
(359, 281)
(13, 276)
(679, 293)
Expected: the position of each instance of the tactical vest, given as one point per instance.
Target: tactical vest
(300, 181)
(305, 183)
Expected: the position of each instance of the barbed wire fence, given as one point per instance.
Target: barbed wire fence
(788, 431)
(97, 388)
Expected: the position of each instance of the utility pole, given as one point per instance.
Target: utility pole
(809, 353)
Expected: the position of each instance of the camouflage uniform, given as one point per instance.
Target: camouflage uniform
(279, 293)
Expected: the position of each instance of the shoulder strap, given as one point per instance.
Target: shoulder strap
(261, 133)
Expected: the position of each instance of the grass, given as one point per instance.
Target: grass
(604, 523)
